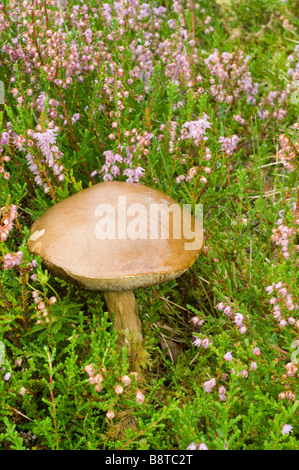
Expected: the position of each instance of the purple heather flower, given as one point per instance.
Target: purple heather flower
(209, 384)
(202, 446)
(88, 35)
(115, 170)
(12, 259)
(220, 306)
(4, 138)
(205, 343)
(44, 140)
(7, 376)
(229, 144)
(228, 311)
(191, 446)
(239, 319)
(222, 393)
(269, 289)
(196, 129)
(243, 373)
(75, 118)
(138, 173)
(228, 356)
(286, 429)
(197, 341)
(242, 329)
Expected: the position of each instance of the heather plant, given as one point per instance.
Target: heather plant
(199, 100)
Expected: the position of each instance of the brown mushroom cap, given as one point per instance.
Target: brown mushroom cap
(65, 236)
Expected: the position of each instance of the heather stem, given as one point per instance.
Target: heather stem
(52, 397)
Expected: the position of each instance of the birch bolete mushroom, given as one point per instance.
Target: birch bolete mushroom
(115, 237)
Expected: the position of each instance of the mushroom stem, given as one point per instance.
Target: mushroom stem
(122, 305)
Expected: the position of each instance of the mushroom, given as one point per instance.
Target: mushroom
(115, 237)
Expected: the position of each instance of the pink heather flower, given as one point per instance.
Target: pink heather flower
(291, 369)
(139, 397)
(180, 178)
(98, 379)
(4, 138)
(7, 222)
(12, 259)
(283, 291)
(239, 319)
(286, 429)
(290, 396)
(220, 306)
(197, 341)
(138, 173)
(289, 302)
(202, 446)
(253, 366)
(191, 446)
(88, 35)
(22, 391)
(115, 170)
(196, 321)
(7, 376)
(44, 140)
(192, 173)
(107, 177)
(209, 384)
(110, 414)
(75, 117)
(228, 311)
(256, 351)
(228, 356)
(89, 369)
(238, 118)
(277, 313)
(126, 380)
(229, 144)
(269, 289)
(129, 172)
(196, 129)
(205, 343)
(243, 373)
(119, 389)
(222, 393)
